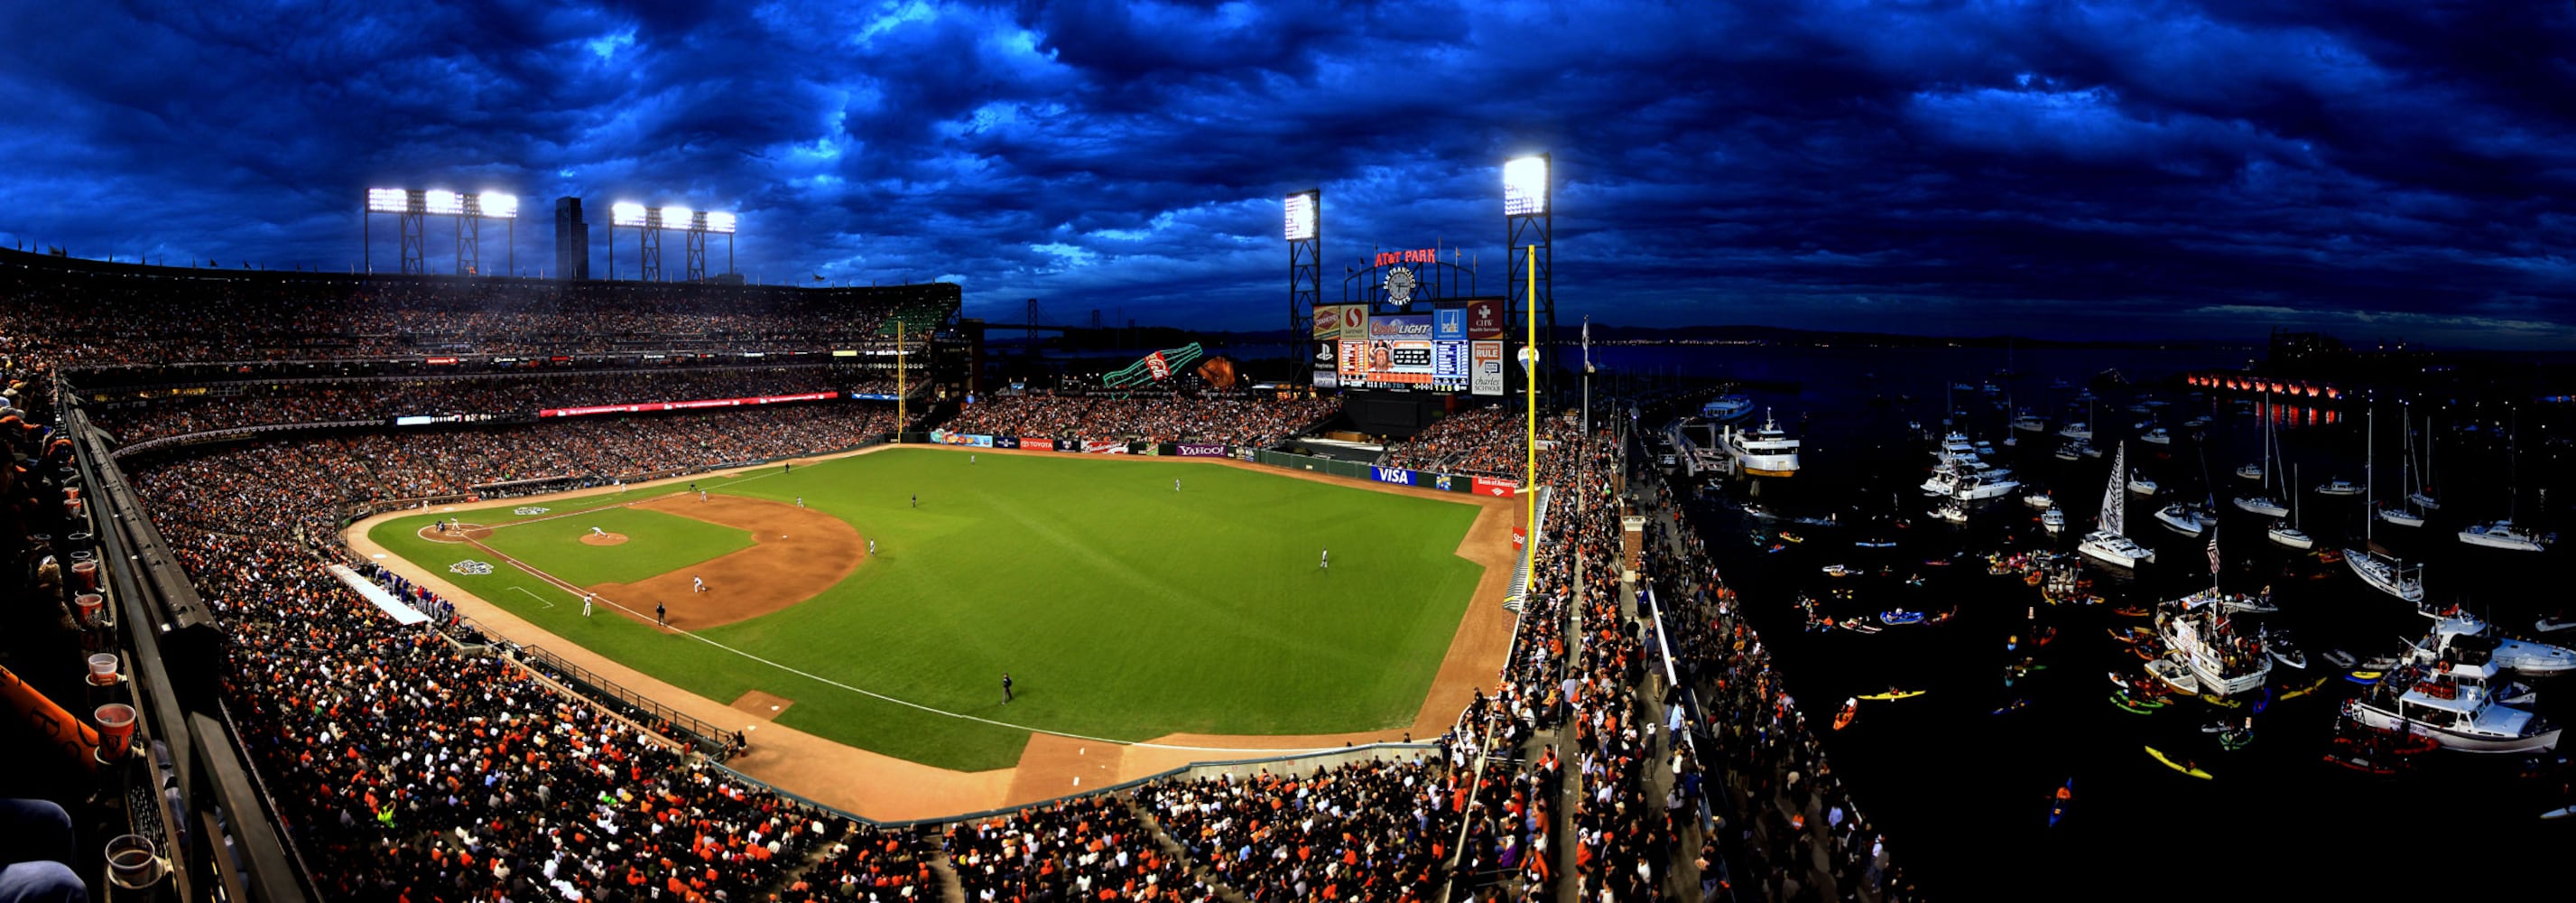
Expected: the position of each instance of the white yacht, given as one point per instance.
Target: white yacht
(2138, 483)
(2183, 518)
(2107, 542)
(1950, 511)
(2386, 574)
(2504, 534)
(2263, 502)
(2458, 635)
(2250, 471)
(2076, 429)
(2281, 533)
(2074, 449)
(2053, 520)
(2030, 423)
(2157, 436)
(2040, 501)
(2455, 715)
(2197, 631)
(1764, 452)
(2401, 517)
(2338, 486)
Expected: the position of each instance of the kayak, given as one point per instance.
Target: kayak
(2016, 705)
(2560, 812)
(2222, 701)
(2177, 766)
(2130, 611)
(1893, 618)
(2363, 677)
(2296, 692)
(1843, 719)
(1894, 694)
(2236, 740)
(2057, 805)
(2131, 706)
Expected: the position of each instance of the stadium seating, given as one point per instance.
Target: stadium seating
(1254, 420)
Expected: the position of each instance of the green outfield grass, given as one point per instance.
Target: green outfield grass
(1121, 609)
(655, 543)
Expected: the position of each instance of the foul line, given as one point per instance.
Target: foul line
(817, 678)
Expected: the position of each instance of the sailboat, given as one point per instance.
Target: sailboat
(2288, 534)
(2108, 541)
(2410, 515)
(2264, 503)
(2385, 573)
(2423, 496)
(2505, 534)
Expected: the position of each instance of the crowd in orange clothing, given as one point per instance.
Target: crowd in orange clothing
(1485, 441)
(1255, 420)
(1373, 830)
(1092, 848)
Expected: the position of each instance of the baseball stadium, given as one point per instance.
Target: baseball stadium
(466, 587)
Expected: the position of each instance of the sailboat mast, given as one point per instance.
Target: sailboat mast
(2369, 486)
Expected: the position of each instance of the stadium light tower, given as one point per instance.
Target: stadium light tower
(648, 222)
(412, 206)
(1304, 230)
(1528, 221)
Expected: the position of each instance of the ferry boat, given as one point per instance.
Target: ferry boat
(2504, 534)
(2455, 715)
(1764, 452)
(2197, 631)
(1727, 409)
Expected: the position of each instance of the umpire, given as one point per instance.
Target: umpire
(1006, 688)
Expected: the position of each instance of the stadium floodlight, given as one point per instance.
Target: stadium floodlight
(441, 202)
(670, 217)
(496, 205)
(1301, 216)
(388, 200)
(626, 213)
(720, 222)
(1525, 186)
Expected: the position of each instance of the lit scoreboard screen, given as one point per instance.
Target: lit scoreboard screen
(1453, 347)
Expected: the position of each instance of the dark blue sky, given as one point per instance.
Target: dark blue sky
(2377, 169)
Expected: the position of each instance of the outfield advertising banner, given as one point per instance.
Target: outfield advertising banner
(945, 437)
(1485, 368)
(1006, 442)
(1037, 443)
(1485, 319)
(1397, 475)
(1501, 489)
(1090, 447)
(1199, 450)
(683, 405)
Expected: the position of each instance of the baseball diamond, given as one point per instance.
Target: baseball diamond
(1195, 619)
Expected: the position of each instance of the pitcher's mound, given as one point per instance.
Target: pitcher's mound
(762, 705)
(603, 539)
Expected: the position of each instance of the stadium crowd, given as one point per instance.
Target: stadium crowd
(1478, 442)
(1374, 830)
(1254, 420)
(1090, 848)
(380, 400)
(61, 312)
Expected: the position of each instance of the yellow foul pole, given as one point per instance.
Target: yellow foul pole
(1529, 387)
(899, 393)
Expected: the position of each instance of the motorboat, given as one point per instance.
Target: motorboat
(2387, 574)
(2184, 518)
(2074, 450)
(2459, 636)
(2262, 504)
(2138, 483)
(2197, 631)
(2339, 486)
(2284, 650)
(1986, 483)
(2030, 423)
(2251, 604)
(1950, 511)
(2400, 517)
(2076, 429)
(2107, 543)
(2250, 471)
(2424, 500)
(1766, 451)
(2053, 520)
(2174, 674)
(2039, 500)
(2157, 436)
(2548, 624)
(2504, 534)
(2455, 715)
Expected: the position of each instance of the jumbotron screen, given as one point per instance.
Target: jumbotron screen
(1454, 346)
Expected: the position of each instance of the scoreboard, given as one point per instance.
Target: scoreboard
(1453, 347)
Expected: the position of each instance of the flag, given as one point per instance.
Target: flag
(1587, 344)
(2213, 554)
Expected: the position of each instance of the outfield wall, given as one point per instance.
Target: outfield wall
(1445, 482)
